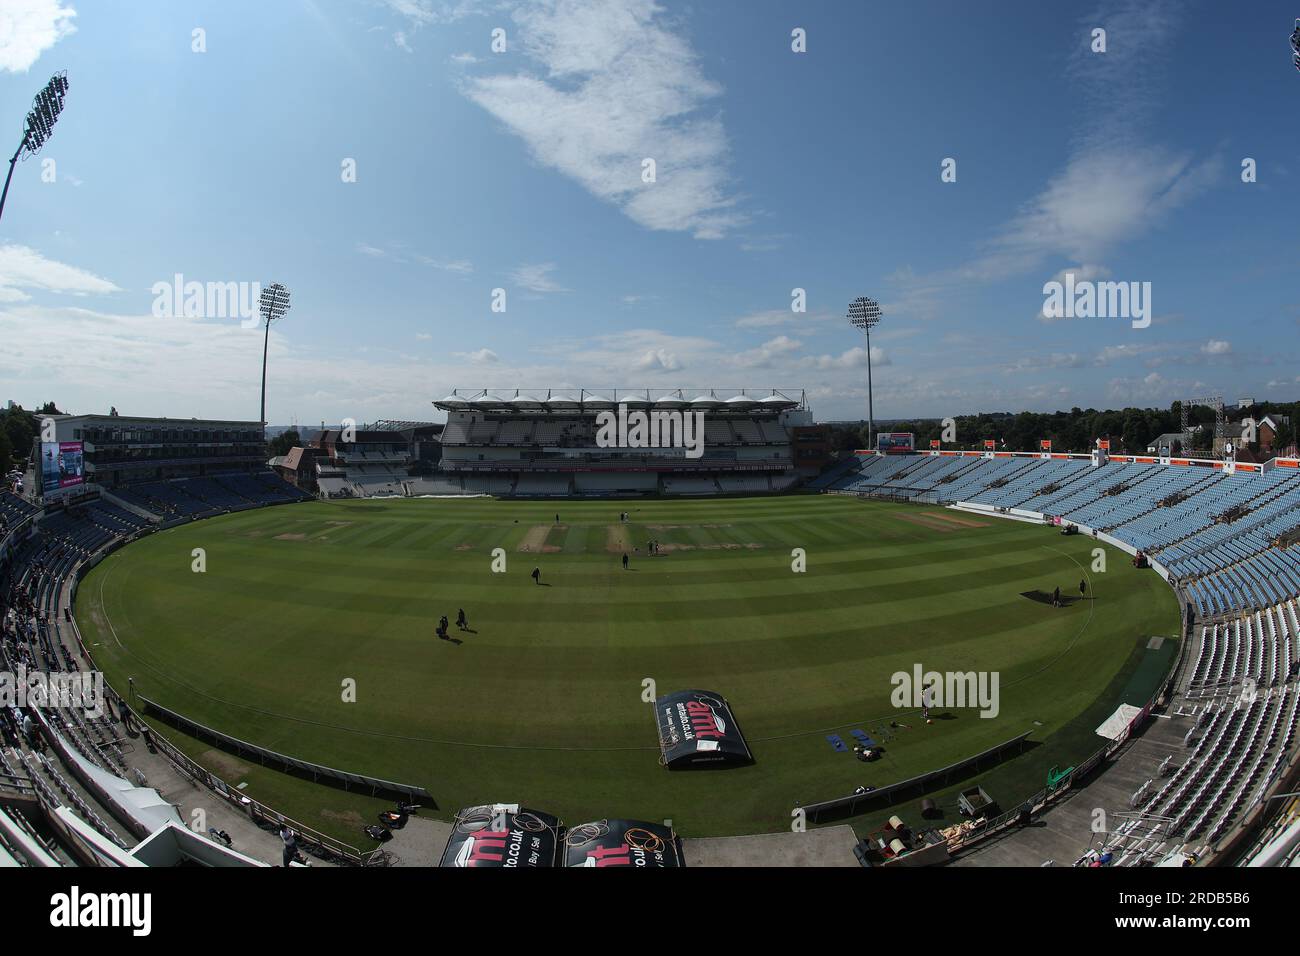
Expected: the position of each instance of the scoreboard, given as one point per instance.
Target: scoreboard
(895, 443)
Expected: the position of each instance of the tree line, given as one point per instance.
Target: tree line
(1130, 430)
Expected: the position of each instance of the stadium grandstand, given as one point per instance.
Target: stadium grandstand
(132, 469)
(74, 781)
(386, 459)
(1225, 535)
(544, 443)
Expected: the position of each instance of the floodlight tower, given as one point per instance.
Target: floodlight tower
(45, 110)
(864, 314)
(275, 303)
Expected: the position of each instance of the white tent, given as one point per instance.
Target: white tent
(1114, 726)
(144, 805)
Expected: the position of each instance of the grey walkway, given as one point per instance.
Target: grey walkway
(827, 846)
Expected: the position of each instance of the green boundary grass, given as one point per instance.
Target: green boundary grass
(543, 704)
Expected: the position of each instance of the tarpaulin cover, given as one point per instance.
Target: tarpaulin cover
(698, 727)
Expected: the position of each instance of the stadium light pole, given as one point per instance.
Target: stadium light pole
(275, 303)
(40, 125)
(864, 314)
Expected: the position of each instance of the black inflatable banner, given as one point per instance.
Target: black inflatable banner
(503, 835)
(622, 843)
(697, 727)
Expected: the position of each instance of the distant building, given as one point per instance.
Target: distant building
(1270, 430)
(1170, 443)
(298, 467)
(120, 449)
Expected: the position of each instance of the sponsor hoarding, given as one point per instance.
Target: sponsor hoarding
(895, 443)
(622, 843)
(62, 465)
(697, 727)
(502, 835)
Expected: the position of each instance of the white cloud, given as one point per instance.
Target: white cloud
(765, 354)
(657, 360)
(536, 277)
(23, 268)
(394, 253)
(855, 357)
(458, 266)
(30, 27)
(481, 356)
(618, 85)
(463, 58)
(1216, 347)
(1055, 360)
(424, 12)
(1115, 186)
(766, 320)
(400, 39)
(806, 322)
(1121, 353)
(1101, 199)
(1081, 273)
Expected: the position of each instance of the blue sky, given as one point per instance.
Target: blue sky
(522, 170)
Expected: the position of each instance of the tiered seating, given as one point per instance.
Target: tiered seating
(1086, 489)
(733, 484)
(456, 433)
(482, 433)
(1058, 481)
(201, 497)
(1168, 512)
(718, 432)
(611, 482)
(1262, 646)
(690, 486)
(515, 432)
(440, 485)
(1025, 483)
(869, 474)
(547, 433)
(14, 509)
(829, 477)
(972, 482)
(114, 519)
(540, 484)
(488, 484)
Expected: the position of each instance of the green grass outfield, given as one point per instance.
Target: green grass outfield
(543, 704)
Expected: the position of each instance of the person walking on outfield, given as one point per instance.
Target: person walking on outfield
(624, 560)
(1083, 587)
(557, 517)
(1056, 597)
(537, 575)
(461, 622)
